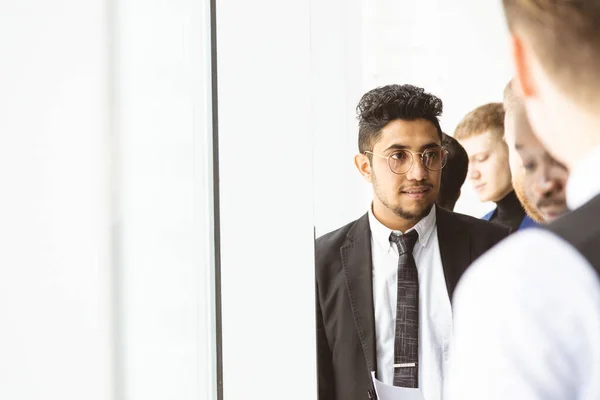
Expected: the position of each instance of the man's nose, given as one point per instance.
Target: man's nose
(545, 185)
(473, 173)
(417, 171)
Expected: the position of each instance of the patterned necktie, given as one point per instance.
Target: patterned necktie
(406, 346)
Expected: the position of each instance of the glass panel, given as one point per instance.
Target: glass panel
(165, 200)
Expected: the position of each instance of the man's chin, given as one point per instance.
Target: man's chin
(413, 213)
(553, 214)
(483, 197)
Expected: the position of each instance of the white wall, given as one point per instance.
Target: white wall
(266, 182)
(55, 274)
(337, 69)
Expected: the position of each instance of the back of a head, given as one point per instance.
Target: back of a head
(512, 106)
(565, 35)
(454, 173)
(511, 101)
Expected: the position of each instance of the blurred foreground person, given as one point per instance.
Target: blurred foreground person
(527, 314)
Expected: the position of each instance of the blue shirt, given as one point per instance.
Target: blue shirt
(526, 223)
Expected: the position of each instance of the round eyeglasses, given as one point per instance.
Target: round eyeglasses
(401, 161)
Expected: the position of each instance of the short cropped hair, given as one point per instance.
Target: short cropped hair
(511, 100)
(486, 118)
(385, 104)
(454, 173)
(565, 35)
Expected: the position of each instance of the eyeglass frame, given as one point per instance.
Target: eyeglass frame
(412, 159)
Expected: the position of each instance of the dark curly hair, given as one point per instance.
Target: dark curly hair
(382, 105)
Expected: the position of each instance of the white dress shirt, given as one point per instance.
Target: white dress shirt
(435, 314)
(527, 315)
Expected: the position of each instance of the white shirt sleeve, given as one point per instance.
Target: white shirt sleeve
(527, 324)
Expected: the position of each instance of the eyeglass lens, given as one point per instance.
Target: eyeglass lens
(402, 160)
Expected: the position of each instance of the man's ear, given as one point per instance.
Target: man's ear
(363, 164)
(521, 57)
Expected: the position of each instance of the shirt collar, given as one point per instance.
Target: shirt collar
(583, 185)
(381, 233)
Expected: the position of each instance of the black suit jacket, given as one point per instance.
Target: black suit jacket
(345, 312)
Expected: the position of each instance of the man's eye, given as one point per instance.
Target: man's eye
(529, 166)
(400, 156)
(430, 154)
(481, 158)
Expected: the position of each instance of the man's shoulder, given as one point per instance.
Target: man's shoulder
(526, 260)
(336, 237)
(327, 246)
(534, 280)
(533, 248)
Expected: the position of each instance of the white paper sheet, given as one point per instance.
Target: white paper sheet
(387, 392)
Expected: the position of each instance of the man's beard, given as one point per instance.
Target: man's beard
(398, 210)
(519, 186)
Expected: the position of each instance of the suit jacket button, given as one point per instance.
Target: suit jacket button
(371, 394)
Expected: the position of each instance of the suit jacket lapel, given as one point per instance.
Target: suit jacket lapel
(455, 247)
(357, 263)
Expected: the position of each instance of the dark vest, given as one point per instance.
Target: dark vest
(581, 228)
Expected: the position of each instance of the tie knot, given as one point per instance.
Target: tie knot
(405, 242)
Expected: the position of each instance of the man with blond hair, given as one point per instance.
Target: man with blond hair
(481, 133)
(527, 313)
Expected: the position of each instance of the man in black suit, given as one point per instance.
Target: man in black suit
(384, 281)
